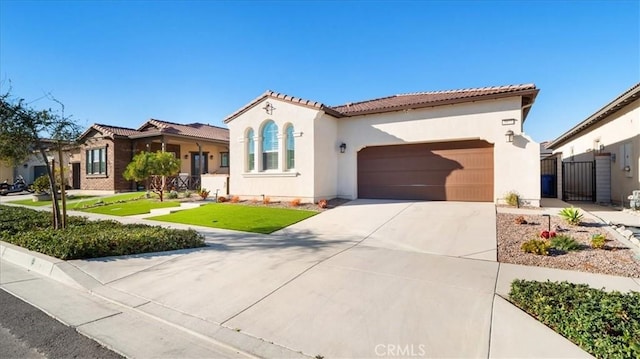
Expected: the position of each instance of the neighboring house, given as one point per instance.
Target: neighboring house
(34, 166)
(459, 145)
(601, 154)
(545, 152)
(106, 151)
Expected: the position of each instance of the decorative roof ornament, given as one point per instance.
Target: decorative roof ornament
(268, 108)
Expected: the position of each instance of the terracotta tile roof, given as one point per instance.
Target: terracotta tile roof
(284, 97)
(402, 101)
(110, 131)
(199, 130)
(627, 97)
(115, 130)
(425, 99)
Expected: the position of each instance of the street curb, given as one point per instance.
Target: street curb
(67, 274)
(42, 264)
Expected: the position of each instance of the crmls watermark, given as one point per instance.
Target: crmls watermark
(399, 350)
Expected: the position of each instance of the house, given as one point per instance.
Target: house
(599, 158)
(458, 145)
(106, 151)
(34, 166)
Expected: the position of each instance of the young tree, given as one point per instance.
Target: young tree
(24, 129)
(147, 164)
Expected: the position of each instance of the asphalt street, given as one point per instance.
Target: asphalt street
(27, 332)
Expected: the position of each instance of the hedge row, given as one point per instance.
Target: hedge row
(89, 239)
(605, 324)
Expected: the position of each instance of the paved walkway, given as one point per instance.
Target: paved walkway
(368, 279)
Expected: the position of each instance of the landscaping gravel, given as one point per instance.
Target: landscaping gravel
(614, 259)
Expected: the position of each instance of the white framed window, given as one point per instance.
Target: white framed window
(290, 148)
(251, 151)
(269, 146)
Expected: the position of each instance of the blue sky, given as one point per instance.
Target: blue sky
(122, 63)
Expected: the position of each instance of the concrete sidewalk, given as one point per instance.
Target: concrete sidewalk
(309, 290)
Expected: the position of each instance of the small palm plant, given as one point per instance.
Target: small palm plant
(571, 215)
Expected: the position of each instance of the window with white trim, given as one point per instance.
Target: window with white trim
(290, 148)
(251, 158)
(270, 146)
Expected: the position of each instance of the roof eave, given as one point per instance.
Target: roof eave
(612, 107)
(530, 92)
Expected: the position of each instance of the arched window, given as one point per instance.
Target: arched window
(290, 148)
(251, 150)
(270, 146)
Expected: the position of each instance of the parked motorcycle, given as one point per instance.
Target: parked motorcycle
(19, 185)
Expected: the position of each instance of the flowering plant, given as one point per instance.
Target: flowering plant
(547, 234)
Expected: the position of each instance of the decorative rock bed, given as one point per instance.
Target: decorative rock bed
(614, 259)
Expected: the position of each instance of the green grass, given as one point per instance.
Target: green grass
(30, 202)
(131, 208)
(238, 217)
(110, 199)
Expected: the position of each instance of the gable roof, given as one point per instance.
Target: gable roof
(109, 131)
(155, 127)
(607, 110)
(283, 97)
(405, 101)
(199, 130)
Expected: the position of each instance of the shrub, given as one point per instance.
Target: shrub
(607, 325)
(203, 193)
(89, 239)
(222, 199)
(41, 184)
(295, 202)
(547, 234)
(512, 198)
(598, 241)
(254, 200)
(266, 200)
(536, 246)
(187, 194)
(565, 243)
(322, 203)
(173, 194)
(235, 199)
(520, 220)
(571, 215)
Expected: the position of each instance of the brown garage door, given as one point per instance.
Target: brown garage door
(447, 171)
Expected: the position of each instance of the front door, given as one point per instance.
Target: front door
(75, 169)
(195, 163)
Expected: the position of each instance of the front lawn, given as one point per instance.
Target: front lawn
(88, 239)
(132, 207)
(106, 200)
(238, 217)
(30, 202)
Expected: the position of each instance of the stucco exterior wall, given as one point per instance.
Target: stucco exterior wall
(187, 148)
(620, 129)
(516, 164)
(326, 154)
(280, 184)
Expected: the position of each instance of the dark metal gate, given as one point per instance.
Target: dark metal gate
(549, 178)
(578, 181)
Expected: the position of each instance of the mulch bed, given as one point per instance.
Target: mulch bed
(614, 259)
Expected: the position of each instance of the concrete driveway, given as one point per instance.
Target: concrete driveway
(367, 279)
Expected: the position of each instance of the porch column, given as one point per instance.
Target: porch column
(164, 145)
